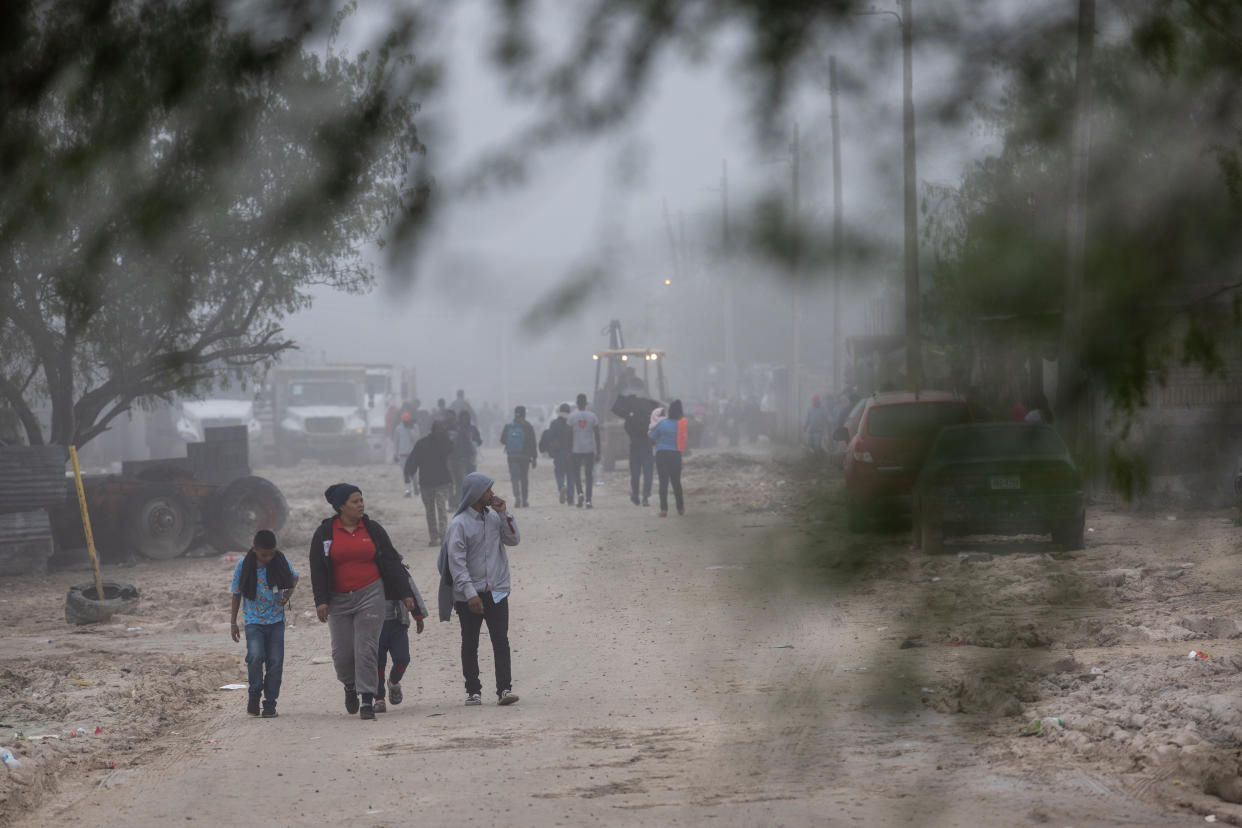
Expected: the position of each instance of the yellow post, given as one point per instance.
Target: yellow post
(86, 523)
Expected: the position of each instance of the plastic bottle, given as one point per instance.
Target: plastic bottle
(9, 759)
(1052, 721)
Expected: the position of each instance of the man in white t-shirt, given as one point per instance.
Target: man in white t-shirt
(584, 450)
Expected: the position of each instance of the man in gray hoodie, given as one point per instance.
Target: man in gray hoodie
(474, 578)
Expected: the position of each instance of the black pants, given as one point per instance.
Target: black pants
(640, 468)
(519, 473)
(577, 461)
(497, 618)
(668, 466)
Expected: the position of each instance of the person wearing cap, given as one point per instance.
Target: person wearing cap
(354, 570)
(403, 440)
(474, 580)
(518, 438)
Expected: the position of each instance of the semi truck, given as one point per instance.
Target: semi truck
(319, 412)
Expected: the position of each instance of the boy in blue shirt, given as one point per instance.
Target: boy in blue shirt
(263, 581)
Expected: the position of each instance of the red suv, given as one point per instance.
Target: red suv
(886, 453)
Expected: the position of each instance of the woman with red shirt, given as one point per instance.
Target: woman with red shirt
(354, 571)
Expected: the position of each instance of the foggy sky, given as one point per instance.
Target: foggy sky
(492, 258)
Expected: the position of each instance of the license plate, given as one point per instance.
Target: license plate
(1006, 482)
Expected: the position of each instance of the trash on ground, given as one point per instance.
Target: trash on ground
(320, 660)
(853, 668)
(233, 687)
(9, 759)
(1041, 723)
(937, 578)
(1198, 654)
(725, 566)
(132, 629)
(1096, 671)
(782, 646)
(927, 689)
(81, 683)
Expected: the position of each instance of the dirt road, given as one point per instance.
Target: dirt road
(741, 665)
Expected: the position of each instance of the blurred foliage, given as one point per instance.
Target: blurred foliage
(1162, 260)
(179, 174)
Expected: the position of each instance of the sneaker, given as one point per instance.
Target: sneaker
(367, 711)
(269, 711)
(394, 692)
(408, 493)
(646, 502)
(588, 504)
(581, 501)
(472, 699)
(525, 504)
(379, 706)
(663, 513)
(433, 543)
(634, 499)
(561, 496)
(351, 699)
(507, 697)
(252, 706)
(681, 510)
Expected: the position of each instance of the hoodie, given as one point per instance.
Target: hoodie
(472, 557)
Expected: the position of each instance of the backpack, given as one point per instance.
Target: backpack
(515, 439)
(545, 441)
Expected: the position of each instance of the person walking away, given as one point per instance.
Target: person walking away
(518, 438)
(636, 413)
(427, 466)
(422, 418)
(474, 580)
(556, 442)
(585, 450)
(394, 640)
(466, 441)
(263, 582)
(354, 570)
(461, 404)
(670, 440)
(404, 438)
(816, 427)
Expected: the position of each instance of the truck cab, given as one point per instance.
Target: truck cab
(320, 412)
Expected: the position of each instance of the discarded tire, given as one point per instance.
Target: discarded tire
(242, 508)
(82, 607)
(159, 521)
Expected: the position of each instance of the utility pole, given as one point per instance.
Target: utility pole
(794, 402)
(1071, 396)
(727, 275)
(914, 354)
(837, 225)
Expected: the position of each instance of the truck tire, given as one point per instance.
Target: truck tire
(82, 607)
(159, 522)
(242, 508)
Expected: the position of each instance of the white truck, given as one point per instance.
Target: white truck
(320, 412)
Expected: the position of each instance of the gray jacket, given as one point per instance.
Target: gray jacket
(472, 557)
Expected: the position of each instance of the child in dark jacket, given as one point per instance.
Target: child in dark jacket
(395, 640)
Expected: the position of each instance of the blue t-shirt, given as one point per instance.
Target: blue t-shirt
(265, 608)
(665, 435)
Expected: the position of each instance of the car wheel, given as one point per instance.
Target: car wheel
(159, 522)
(1070, 535)
(932, 537)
